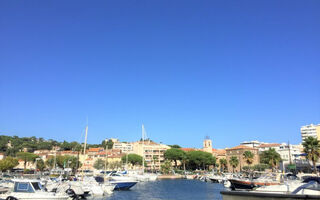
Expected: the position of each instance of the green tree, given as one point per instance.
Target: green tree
(174, 155)
(166, 167)
(108, 143)
(40, 165)
(270, 157)
(175, 146)
(200, 159)
(234, 162)
(8, 163)
(26, 157)
(223, 164)
(65, 161)
(248, 156)
(133, 159)
(311, 146)
(99, 164)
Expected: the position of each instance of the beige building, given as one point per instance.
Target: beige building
(125, 147)
(238, 153)
(153, 153)
(110, 156)
(310, 130)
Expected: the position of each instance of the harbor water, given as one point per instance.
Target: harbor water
(179, 189)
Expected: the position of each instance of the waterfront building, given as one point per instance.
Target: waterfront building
(110, 156)
(219, 154)
(289, 153)
(311, 130)
(253, 143)
(267, 146)
(125, 147)
(152, 152)
(238, 152)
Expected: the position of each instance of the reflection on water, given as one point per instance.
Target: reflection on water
(180, 189)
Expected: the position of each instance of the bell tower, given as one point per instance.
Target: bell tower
(207, 145)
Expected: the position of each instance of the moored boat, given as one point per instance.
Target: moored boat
(25, 189)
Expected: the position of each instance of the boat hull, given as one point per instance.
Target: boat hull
(243, 195)
(248, 185)
(123, 185)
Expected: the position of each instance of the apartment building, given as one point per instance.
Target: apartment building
(289, 153)
(310, 130)
(125, 147)
(153, 153)
(267, 146)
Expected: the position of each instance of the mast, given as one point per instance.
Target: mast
(105, 162)
(142, 148)
(84, 148)
(289, 153)
(85, 141)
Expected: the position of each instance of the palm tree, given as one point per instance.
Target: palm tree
(248, 156)
(234, 162)
(223, 163)
(311, 146)
(270, 157)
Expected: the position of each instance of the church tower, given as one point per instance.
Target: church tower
(207, 145)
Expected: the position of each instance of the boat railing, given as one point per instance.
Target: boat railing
(312, 185)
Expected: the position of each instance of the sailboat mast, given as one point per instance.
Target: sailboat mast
(105, 162)
(85, 141)
(142, 148)
(84, 148)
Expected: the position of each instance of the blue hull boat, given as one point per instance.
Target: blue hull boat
(123, 185)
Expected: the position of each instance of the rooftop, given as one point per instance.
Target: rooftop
(241, 147)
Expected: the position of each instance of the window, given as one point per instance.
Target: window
(36, 186)
(23, 186)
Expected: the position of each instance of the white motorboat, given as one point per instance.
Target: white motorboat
(25, 189)
(90, 184)
(309, 190)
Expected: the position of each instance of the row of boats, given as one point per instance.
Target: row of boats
(61, 189)
(267, 186)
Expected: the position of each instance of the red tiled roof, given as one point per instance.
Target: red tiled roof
(219, 151)
(95, 149)
(189, 149)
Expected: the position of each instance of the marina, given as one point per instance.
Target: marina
(129, 186)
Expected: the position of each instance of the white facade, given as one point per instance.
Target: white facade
(289, 154)
(310, 130)
(252, 144)
(124, 147)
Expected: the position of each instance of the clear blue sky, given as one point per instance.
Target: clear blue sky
(232, 70)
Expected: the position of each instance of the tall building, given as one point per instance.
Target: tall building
(310, 130)
(152, 152)
(207, 145)
(125, 147)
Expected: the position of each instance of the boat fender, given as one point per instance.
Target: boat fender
(11, 198)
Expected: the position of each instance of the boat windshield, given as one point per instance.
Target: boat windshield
(36, 185)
